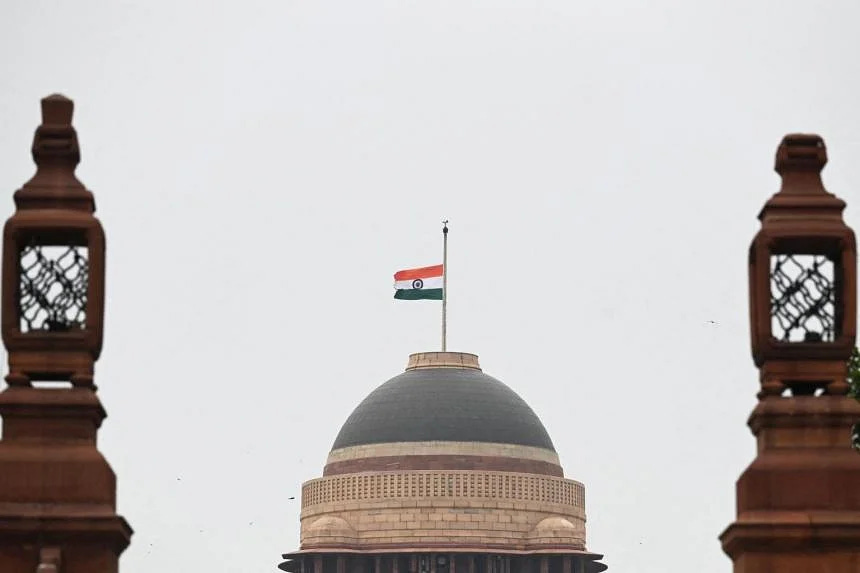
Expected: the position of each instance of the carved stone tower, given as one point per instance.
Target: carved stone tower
(57, 492)
(443, 469)
(798, 503)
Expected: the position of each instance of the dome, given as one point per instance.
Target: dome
(443, 397)
(443, 459)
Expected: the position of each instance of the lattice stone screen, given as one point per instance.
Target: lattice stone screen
(430, 484)
(53, 288)
(803, 298)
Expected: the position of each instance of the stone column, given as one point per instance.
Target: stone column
(53, 520)
(792, 514)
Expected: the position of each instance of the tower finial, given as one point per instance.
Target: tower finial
(56, 154)
(56, 139)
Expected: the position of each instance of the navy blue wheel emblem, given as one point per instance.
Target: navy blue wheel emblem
(417, 283)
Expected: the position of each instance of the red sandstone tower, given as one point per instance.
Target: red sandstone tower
(798, 503)
(57, 492)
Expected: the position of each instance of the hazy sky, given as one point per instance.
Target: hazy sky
(262, 168)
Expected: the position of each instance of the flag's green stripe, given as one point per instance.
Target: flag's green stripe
(418, 294)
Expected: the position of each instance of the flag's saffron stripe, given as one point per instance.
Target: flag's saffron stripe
(419, 294)
(422, 273)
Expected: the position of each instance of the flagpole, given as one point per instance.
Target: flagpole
(444, 284)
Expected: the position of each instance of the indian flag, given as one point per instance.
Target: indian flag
(416, 284)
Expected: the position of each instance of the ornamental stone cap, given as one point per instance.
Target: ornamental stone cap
(443, 360)
(801, 152)
(56, 153)
(57, 109)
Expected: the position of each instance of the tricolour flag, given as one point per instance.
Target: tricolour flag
(416, 284)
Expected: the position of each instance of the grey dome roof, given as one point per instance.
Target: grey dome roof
(443, 404)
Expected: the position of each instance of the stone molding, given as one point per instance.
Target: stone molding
(443, 449)
(442, 463)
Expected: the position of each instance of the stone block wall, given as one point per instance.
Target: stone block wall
(451, 508)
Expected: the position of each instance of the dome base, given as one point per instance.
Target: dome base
(443, 360)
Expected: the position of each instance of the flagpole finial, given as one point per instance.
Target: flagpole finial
(445, 226)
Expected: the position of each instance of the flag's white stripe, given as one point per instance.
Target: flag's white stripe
(430, 282)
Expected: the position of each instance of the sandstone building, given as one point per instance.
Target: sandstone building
(443, 469)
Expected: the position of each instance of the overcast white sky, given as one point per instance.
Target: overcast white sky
(263, 167)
